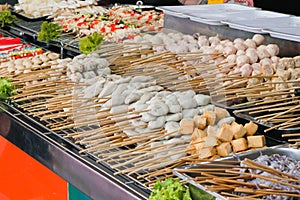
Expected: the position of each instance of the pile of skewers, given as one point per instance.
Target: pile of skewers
(266, 177)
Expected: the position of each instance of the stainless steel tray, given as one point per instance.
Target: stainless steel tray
(280, 149)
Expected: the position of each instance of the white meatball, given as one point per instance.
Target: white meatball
(246, 70)
(266, 61)
(238, 40)
(219, 48)
(258, 39)
(214, 40)
(252, 54)
(273, 49)
(262, 52)
(241, 60)
(240, 52)
(256, 66)
(229, 50)
(231, 58)
(250, 43)
(240, 46)
(275, 59)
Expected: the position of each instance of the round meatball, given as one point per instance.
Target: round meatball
(252, 54)
(273, 49)
(242, 60)
(258, 39)
(250, 43)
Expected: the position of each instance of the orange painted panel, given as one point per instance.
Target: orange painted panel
(23, 178)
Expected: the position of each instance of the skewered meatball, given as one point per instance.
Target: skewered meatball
(252, 54)
(246, 70)
(238, 40)
(258, 39)
(262, 52)
(229, 50)
(241, 60)
(250, 43)
(273, 49)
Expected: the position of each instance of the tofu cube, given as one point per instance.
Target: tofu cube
(239, 145)
(198, 133)
(224, 149)
(186, 126)
(251, 128)
(207, 152)
(225, 133)
(200, 121)
(212, 130)
(210, 116)
(221, 113)
(256, 141)
(238, 131)
(211, 141)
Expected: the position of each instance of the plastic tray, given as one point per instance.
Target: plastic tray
(185, 11)
(286, 33)
(256, 25)
(219, 17)
(206, 8)
(281, 150)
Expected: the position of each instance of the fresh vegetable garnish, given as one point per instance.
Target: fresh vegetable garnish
(199, 194)
(49, 31)
(170, 189)
(6, 89)
(6, 18)
(90, 43)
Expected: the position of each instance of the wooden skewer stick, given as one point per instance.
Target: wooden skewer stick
(282, 113)
(249, 162)
(291, 135)
(266, 192)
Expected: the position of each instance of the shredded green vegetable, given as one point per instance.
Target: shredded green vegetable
(170, 189)
(90, 43)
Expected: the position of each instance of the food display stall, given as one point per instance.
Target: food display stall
(109, 102)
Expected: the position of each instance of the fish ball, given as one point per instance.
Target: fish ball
(202, 100)
(158, 108)
(158, 123)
